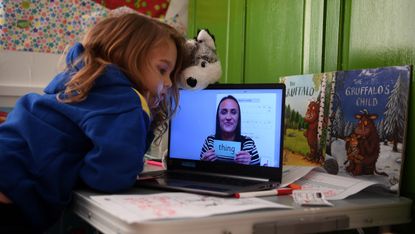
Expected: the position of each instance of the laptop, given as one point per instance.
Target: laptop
(250, 161)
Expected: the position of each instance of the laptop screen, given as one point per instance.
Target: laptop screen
(228, 128)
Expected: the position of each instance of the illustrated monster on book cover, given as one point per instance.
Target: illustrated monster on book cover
(368, 122)
(305, 118)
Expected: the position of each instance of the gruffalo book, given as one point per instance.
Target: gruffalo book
(368, 118)
(351, 123)
(306, 117)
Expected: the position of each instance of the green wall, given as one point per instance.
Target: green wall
(261, 40)
(273, 40)
(226, 20)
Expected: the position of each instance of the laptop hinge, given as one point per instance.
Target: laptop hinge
(221, 175)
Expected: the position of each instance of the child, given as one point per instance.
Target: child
(94, 122)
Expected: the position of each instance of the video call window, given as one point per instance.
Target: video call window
(196, 121)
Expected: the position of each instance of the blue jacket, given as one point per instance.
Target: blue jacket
(47, 147)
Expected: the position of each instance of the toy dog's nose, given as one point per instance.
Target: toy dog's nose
(192, 82)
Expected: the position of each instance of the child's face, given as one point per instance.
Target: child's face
(156, 76)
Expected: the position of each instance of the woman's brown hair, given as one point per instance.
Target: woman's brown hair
(126, 41)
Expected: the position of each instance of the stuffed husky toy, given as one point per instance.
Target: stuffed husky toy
(204, 67)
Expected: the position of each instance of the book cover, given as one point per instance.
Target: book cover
(367, 123)
(306, 118)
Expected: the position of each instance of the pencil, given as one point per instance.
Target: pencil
(274, 192)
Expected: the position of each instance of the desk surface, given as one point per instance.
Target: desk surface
(366, 209)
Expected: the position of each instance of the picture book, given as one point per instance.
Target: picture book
(361, 126)
(368, 121)
(306, 115)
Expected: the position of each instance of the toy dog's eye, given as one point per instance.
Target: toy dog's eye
(203, 64)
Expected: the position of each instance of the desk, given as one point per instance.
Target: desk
(365, 209)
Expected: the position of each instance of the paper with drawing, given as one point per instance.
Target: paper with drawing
(138, 208)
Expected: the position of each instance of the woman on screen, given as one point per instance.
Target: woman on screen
(228, 128)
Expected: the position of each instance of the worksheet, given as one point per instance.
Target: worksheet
(334, 187)
(137, 208)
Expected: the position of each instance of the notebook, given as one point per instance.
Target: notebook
(246, 141)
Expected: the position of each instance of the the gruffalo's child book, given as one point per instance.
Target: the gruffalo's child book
(368, 121)
(306, 117)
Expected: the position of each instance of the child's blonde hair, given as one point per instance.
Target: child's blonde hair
(126, 41)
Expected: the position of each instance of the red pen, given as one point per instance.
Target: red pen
(294, 186)
(154, 163)
(274, 192)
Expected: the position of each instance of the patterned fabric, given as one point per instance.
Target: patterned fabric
(45, 25)
(153, 8)
(50, 26)
(177, 14)
(247, 145)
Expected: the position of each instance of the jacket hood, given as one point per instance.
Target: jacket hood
(112, 75)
